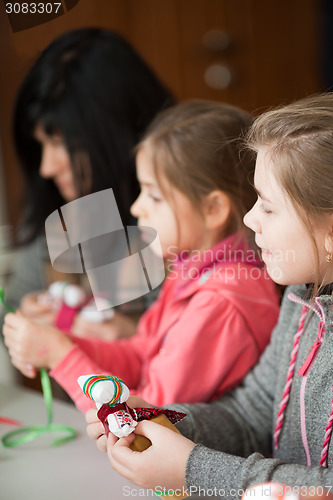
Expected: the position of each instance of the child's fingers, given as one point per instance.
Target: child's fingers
(9, 337)
(112, 439)
(14, 320)
(91, 416)
(120, 452)
(95, 430)
(120, 455)
(27, 369)
(153, 431)
(101, 443)
(6, 330)
(12, 339)
(123, 442)
(80, 326)
(45, 318)
(35, 303)
(9, 319)
(17, 354)
(137, 402)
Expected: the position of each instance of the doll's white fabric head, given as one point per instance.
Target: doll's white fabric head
(104, 389)
(74, 296)
(71, 295)
(56, 289)
(108, 390)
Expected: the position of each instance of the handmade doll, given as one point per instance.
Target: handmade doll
(68, 300)
(110, 395)
(60, 292)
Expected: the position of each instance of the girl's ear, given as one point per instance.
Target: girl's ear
(217, 208)
(329, 243)
(329, 237)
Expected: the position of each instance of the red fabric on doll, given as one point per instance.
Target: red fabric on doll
(137, 414)
(65, 317)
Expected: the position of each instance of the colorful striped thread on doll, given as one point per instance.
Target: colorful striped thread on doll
(91, 381)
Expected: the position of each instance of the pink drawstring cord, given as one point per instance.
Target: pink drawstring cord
(290, 376)
(303, 372)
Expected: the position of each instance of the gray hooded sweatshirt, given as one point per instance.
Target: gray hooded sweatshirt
(234, 435)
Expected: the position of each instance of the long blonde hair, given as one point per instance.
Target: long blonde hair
(299, 138)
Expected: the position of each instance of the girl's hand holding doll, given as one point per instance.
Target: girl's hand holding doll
(162, 464)
(151, 467)
(119, 326)
(95, 428)
(32, 346)
(40, 311)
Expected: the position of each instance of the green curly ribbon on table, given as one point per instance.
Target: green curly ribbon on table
(25, 434)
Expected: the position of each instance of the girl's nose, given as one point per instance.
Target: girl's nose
(135, 208)
(251, 219)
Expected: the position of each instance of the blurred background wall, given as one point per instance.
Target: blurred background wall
(252, 53)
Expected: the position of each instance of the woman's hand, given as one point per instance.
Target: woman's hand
(119, 326)
(32, 346)
(162, 464)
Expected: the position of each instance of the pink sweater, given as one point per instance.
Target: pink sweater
(208, 327)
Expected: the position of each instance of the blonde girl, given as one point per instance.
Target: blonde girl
(277, 426)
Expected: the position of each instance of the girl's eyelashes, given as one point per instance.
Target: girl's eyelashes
(150, 192)
(155, 198)
(265, 209)
(57, 142)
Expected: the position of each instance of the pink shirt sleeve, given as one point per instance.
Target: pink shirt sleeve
(122, 358)
(207, 351)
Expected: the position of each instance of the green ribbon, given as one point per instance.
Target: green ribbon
(25, 434)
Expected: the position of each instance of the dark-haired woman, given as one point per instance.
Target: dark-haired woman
(79, 112)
